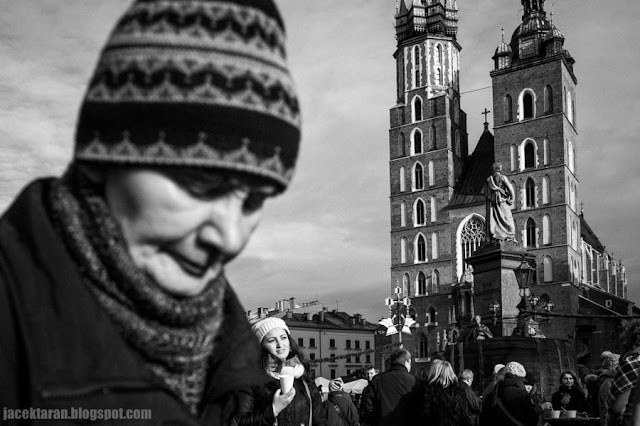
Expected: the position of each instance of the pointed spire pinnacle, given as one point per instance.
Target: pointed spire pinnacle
(503, 34)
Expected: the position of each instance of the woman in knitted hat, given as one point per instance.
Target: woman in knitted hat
(570, 395)
(290, 397)
(112, 285)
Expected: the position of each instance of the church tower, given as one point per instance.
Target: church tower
(536, 140)
(427, 148)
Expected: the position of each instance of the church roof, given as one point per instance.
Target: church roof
(476, 169)
(589, 236)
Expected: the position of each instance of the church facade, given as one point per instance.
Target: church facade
(437, 202)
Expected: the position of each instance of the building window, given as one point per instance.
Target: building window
(422, 284)
(416, 66)
(332, 358)
(432, 137)
(417, 142)
(348, 361)
(527, 105)
(530, 234)
(406, 287)
(300, 342)
(431, 315)
(419, 215)
(439, 80)
(435, 281)
(545, 152)
(472, 235)
(571, 155)
(434, 209)
(514, 158)
(508, 109)
(312, 343)
(403, 214)
(357, 343)
(546, 230)
(432, 173)
(418, 177)
(434, 245)
(545, 190)
(348, 344)
(368, 358)
(456, 111)
(548, 100)
(332, 373)
(401, 147)
(548, 269)
(422, 347)
(529, 155)
(417, 109)
(357, 359)
(421, 249)
(312, 356)
(530, 193)
(569, 107)
(332, 343)
(403, 250)
(403, 172)
(367, 343)
(439, 53)
(457, 148)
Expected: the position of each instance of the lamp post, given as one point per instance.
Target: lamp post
(524, 274)
(398, 321)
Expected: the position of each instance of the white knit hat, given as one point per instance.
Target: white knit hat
(516, 369)
(262, 327)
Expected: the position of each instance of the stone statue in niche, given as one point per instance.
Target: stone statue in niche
(500, 197)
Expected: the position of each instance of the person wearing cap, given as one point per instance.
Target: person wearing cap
(112, 284)
(339, 407)
(510, 403)
(271, 403)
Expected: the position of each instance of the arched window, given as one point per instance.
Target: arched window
(527, 105)
(546, 230)
(431, 315)
(401, 147)
(406, 289)
(416, 66)
(472, 235)
(569, 109)
(545, 152)
(457, 149)
(421, 249)
(422, 284)
(548, 99)
(417, 142)
(529, 155)
(418, 177)
(432, 173)
(434, 245)
(508, 109)
(530, 193)
(434, 209)
(514, 158)
(438, 76)
(530, 235)
(417, 109)
(571, 155)
(548, 269)
(545, 190)
(423, 347)
(572, 197)
(435, 281)
(574, 228)
(419, 217)
(403, 214)
(403, 172)
(456, 111)
(514, 205)
(403, 250)
(439, 52)
(432, 138)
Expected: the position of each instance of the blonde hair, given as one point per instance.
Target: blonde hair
(441, 373)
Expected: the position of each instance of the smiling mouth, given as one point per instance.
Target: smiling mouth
(189, 266)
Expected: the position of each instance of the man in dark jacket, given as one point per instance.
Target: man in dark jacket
(112, 287)
(475, 404)
(393, 397)
(339, 407)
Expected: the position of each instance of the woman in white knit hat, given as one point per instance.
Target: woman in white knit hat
(291, 397)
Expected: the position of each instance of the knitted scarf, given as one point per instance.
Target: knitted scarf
(175, 336)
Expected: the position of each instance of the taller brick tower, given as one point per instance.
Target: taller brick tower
(536, 141)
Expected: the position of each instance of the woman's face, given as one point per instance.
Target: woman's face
(276, 342)
(567, 380)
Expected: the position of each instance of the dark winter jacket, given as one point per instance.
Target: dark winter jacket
(340, 410)
(516, 400)
(444, 406)
(577, 402)
(393, 399)
(256, 405)
(59, 348)
(474, 401)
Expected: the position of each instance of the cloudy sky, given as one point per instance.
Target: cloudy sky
(328, 236)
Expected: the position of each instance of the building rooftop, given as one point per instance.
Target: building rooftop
(330, 320)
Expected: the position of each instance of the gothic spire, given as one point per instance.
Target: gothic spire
(532, 6)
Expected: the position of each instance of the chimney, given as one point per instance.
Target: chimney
(309, 316)
(322, 315)
(353, 320)
(292, 303)
(289, 314)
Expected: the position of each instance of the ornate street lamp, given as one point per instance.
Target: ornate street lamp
(397, 321)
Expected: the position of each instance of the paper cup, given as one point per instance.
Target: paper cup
(553, 414)
(571, 414)
(286, 383)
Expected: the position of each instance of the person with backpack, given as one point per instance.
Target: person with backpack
(339, 407)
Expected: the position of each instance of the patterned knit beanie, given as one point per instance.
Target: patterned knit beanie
(516, 369)
(609, 360)
(200, 83)
(262, 327)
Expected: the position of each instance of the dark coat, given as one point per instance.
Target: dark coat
(346, 413)
(256, 405)
(514, 397)
(445, 406)
(59, 348)
(475, 403)
(393, 399)
(578, 400)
